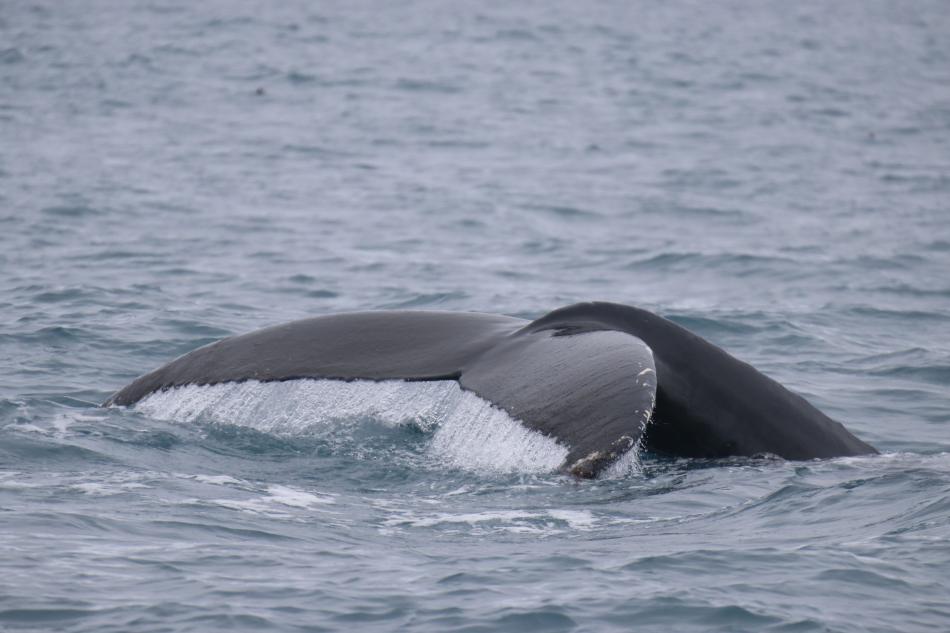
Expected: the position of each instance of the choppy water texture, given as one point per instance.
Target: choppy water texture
(772, 175)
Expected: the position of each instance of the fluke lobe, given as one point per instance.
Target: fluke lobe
(597, 377)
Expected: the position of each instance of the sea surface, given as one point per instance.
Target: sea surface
(774, 176)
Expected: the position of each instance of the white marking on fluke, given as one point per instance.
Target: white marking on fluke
(467, 431)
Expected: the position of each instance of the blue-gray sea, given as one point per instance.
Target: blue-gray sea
(774, 176)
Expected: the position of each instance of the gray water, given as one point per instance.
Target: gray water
(774, 176)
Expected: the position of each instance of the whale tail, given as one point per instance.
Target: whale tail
(600, 378)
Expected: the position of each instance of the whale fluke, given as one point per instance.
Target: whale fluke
(597, 377)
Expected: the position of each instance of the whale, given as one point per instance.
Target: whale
(600, 378)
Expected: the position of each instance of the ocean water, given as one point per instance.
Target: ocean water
(774, 176)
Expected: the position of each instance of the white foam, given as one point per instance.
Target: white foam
(27, 428)
(272, 500)
(469, 432)
(294, 498)
(104, 489)
(576, 519)
(550, 521)
(217, 480)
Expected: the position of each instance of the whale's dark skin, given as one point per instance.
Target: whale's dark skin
(598, 377)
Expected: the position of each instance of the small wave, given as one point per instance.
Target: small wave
(874, 312)
(466, 431)
(426, 85)
(740, 264)
(11, 56)
(541, 522)
(71, 211)
(563, 211)
(275, 500)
